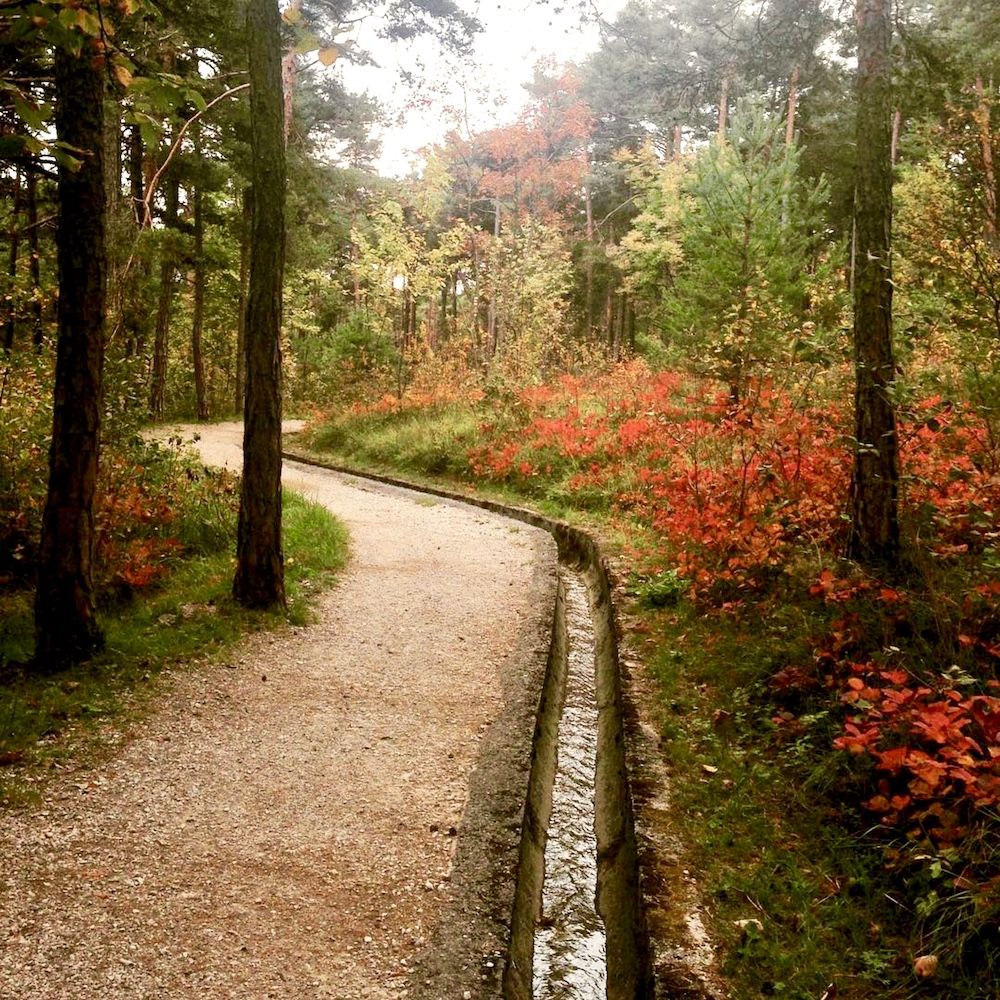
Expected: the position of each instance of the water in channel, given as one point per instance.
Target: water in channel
(570, 942)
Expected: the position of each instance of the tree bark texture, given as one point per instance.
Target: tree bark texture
(492, 334)
(37, 325)
(989, 173)
(239, 389)
(136, 180)
(589, 271)
(198, 305)
(198, 311)
(874, 537)
(259, 580)
(66, 630)
(10, 324)
(793, 105)
(792, 108)
(724, 109)
(290, 74)
(135, 312)
(158, 376)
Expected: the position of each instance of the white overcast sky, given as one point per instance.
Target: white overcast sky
(516, 35)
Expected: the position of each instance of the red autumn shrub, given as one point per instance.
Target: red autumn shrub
(935, 752)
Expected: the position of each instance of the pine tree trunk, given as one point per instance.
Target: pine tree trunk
(10, 324)
(724, 109)
(897, 126)
(442, 320)
(290, 72)
(492, 336)
(260, 574)
(136, 181)
(239, 391)
(37, 325)
(590, 256)
(476, 303)
(117, 239)
(65, 627)
(792, 108)
(198, 309)
(135, 312)
(989, 174)
(874, 537)
(158, 377)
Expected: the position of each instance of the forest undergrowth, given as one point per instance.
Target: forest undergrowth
(163, 566)
(831, 732)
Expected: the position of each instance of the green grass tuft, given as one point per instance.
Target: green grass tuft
(433, 441)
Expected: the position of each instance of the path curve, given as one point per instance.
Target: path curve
(334, 812)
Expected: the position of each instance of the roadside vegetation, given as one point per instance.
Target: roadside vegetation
(831, 731)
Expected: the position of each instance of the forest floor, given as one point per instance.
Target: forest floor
(333, 811)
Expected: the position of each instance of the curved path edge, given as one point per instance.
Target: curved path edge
(656, 906)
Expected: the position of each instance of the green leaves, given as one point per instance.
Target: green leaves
(35, 116)
(86, 21)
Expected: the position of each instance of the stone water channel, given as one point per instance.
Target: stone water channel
(577, 930)
(570, 940)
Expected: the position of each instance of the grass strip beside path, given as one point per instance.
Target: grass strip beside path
(189, 619)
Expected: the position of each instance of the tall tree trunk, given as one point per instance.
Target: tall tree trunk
(198, 305)
(897, 126)
(590, 254)
(404, 318)
(874, 537)
(10, 323)
(612, 324)
(35, 263)
(492, 335)
(476, 300)
(724, 108)
(853, 270)
(260, 570)
(792, 108)
(171, 197)
(989, 174)
(239, 389)
(442, 319)
(136, 180)
(678, 142)
(66, 630)
(158, 377)
(290, 70)
(619, 334)
(118, 223)
(135, 313)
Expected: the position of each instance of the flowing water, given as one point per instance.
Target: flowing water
(570, 940)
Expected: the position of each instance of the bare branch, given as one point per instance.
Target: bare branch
(147, 202)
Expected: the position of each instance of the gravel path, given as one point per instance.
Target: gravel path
(332, 813)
